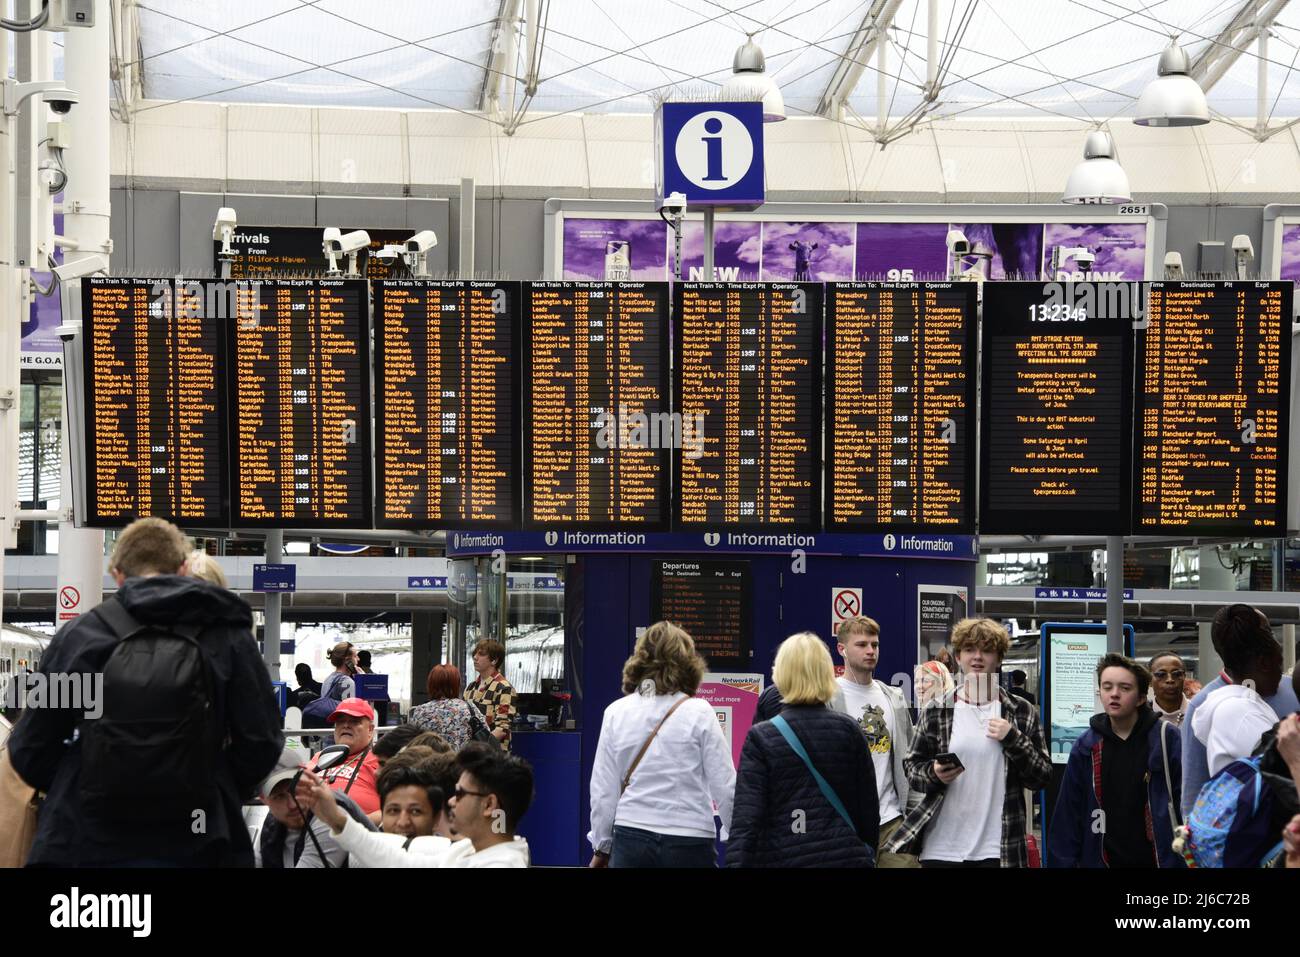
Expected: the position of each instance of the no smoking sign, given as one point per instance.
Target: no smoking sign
(69, 602)
(846, 603)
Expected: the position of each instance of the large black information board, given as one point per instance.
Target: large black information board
(748, 387)
(1214, 374)
(1057, 407)
(596, 428)
(155, 401)
(711, 600)
(900, 406)
(446, 388)
(301, 355)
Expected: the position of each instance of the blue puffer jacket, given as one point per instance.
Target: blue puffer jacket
(1073, 841)
(773, 786)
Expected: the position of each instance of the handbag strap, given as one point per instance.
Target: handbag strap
(627, 778)
(1175, 819)
(828, 792)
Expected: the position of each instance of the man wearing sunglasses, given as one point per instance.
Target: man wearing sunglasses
(1168, 675)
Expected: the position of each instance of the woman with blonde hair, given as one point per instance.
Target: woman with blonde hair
(933, 682)
(806, 792)
(204, 566)
(662, 763)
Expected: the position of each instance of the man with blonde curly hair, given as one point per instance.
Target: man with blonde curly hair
(972, 754)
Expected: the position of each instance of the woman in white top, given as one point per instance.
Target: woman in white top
(662, 764)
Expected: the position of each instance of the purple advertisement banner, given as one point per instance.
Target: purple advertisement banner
(737, 251)
(746, 251)
(41, 347)
(808, 252)
(1290, 253)
(615, 249)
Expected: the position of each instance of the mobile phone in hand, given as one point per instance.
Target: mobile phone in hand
(949, 760)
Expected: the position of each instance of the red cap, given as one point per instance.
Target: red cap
(354, 706)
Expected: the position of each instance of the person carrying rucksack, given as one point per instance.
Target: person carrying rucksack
(151, 769)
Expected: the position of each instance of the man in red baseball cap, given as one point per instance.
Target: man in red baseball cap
(354, 725)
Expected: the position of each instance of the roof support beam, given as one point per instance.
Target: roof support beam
(856, 57)
(1217, 59)
(500, 57)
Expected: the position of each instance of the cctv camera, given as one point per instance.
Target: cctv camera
(1241, 244)
(80, 268)
(331, 232)
(1084, 260)
(957, 242)
(225, 223)
(674, 204)
(1173, 265)
(61, 100)
(348, 242)
(389, 253)
(422, 241)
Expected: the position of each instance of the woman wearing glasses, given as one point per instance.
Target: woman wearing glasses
(1168, 696)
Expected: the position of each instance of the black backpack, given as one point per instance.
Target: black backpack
(155, 744)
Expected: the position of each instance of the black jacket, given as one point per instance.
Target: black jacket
(780, 817)
(46, 753)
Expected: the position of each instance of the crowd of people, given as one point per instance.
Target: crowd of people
(836, 770)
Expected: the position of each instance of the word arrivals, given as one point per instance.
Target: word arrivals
(658, 430)
(103, 910)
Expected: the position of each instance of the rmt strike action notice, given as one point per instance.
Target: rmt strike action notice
(596, 426)
(748, 360)
(301, 352)
(446, 385)
(155, 409)
(1057, 396)
(900, 406)
(1214, 385)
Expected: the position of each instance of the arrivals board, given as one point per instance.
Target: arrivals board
(711, 601)
(446, 387)
(300, 349)
(748, 385)
(900, 407)
(266, 252)
(596, 431)
(1057, 390)
(1214, 374)
(155, 401)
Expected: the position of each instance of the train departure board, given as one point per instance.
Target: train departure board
(1214, 374)
(1057, 381)
(711, 601)
(900, 406)
(748, 382)
(155, 407)
(301, 354)
(446, 383)
(596, 426)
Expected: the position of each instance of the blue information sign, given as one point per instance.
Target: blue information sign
(275, 578)
(711, 152)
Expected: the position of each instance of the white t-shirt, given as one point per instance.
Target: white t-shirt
(871, 708)
(968, 826)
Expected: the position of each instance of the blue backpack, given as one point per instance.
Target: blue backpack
(1231, 824)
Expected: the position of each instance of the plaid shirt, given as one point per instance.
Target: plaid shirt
(1025, 758)
(496, 701)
